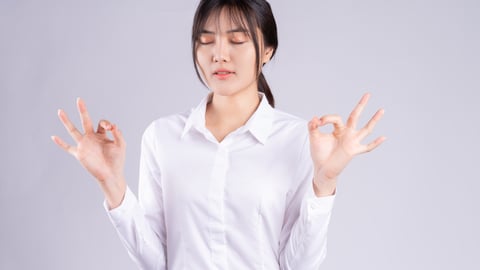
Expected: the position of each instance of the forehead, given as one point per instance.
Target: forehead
(225, 19)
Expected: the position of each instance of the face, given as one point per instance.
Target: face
(226, 57)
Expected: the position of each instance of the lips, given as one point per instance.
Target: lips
(223, 73)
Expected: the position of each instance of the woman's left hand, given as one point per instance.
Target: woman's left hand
(331, 152)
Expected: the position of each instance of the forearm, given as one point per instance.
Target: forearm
(143, 243)
(306, 245)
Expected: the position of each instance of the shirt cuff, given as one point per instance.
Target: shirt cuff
(124, 210)
(318, 206)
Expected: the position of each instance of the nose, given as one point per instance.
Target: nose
(221, 51)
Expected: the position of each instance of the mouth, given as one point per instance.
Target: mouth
(223, 74)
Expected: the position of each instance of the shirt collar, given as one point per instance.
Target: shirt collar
(259, 124)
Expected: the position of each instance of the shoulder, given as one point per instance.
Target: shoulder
(288, 123)
(289, 133)
(166, 126)
(290, 137)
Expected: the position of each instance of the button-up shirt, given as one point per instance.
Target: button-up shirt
(246, 202)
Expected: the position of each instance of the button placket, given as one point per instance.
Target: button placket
(217, 204)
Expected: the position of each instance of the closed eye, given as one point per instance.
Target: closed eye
(236, 37)
(206, 38)
(239, 37)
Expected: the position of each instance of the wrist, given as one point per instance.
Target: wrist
(114, 191)
(323, 184)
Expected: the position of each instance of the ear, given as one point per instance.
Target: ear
(267, 55)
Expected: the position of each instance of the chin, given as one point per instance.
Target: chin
(228, 90)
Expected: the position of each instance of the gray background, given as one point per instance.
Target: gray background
(411, 204)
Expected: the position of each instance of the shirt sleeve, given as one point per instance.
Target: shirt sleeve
(303, 242)
(140, 223)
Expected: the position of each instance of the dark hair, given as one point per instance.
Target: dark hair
(250, 14)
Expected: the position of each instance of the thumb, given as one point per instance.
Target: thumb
(103, 126)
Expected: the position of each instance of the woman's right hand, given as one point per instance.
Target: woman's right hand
(102, 157)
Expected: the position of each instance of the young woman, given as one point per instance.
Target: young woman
(234, 183)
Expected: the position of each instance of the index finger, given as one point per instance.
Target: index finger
(355, 114)
(76, 135)
(84, 116)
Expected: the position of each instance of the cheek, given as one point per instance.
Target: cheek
(202, 61)
(201, 56)
(246, 58)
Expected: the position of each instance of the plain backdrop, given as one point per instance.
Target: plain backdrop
(411, 204)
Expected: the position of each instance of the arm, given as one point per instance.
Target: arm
(304, 234)
(140, 224)
(330, 154)
(104, 159)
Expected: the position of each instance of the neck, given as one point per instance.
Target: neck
(225, 114)
(236, 109)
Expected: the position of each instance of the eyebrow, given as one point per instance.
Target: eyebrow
(236, 30)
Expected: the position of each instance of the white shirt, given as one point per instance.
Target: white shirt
(244, 203)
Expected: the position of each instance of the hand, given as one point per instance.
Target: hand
(331, 152)
(102, 157)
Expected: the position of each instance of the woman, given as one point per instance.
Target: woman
(235, 183)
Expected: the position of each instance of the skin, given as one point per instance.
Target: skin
(332, 152)
(100, 156)
(234, 101)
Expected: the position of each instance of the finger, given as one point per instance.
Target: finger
(369, 147)
(313, 127)
(333, 119)
(365, 131)
(76, 135)
(68, 148)
(117, 136)
(84, 116)
(355, 114)
(103, 126)
(314, 124)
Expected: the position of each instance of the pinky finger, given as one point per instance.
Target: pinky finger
(375, 143)
(63, 145)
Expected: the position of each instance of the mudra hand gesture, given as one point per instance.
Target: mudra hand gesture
(331, 152)
(100, 156)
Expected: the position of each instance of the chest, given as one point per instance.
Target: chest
(238, 183)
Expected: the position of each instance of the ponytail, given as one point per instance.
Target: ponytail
(264, 88)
